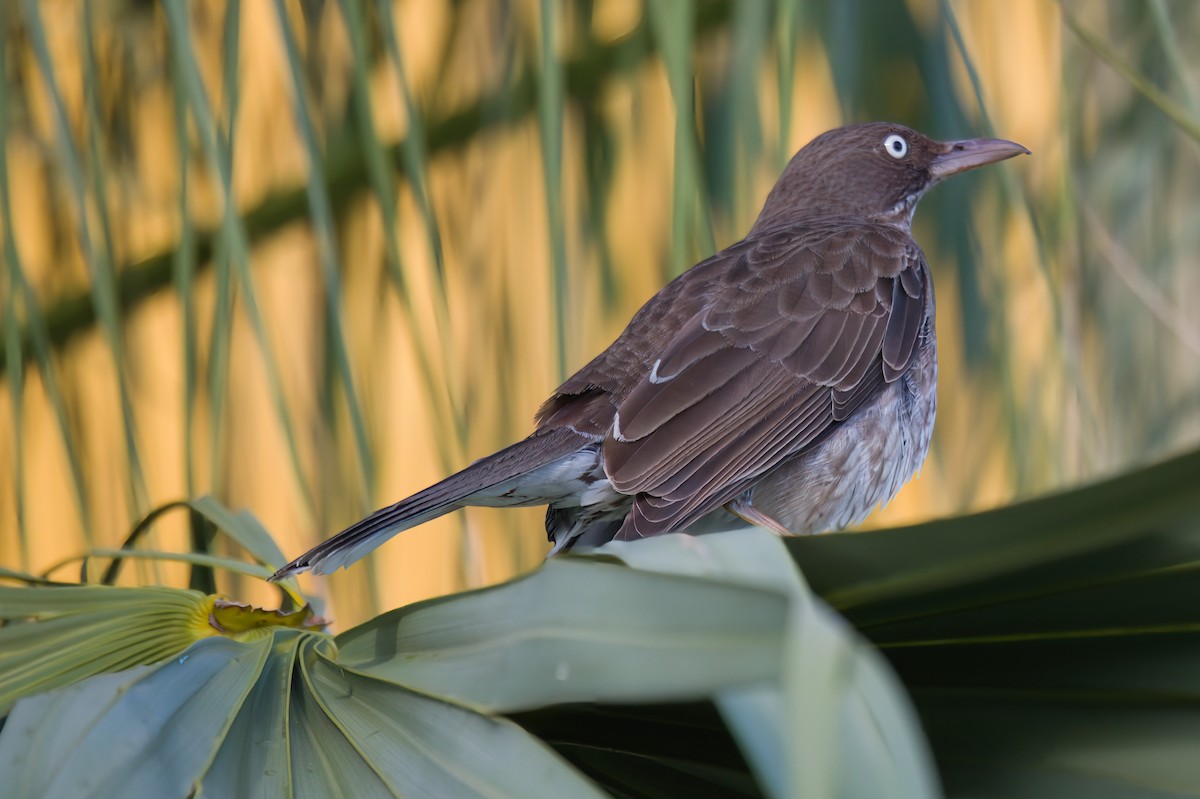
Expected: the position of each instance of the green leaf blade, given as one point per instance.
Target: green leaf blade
(575, 631)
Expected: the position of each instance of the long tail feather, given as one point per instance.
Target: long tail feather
(454, 492)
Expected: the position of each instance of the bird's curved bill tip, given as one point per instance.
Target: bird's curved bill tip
(959, 156)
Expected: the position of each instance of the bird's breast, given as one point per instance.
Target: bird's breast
(864, 461)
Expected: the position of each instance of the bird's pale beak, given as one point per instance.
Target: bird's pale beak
(959, 156)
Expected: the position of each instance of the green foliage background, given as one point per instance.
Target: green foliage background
(439, 209)
(307, 257)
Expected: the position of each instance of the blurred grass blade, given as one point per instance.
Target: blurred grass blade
(224, 249)
(242, 527)
(787, 31)
(322, 220)
(9, 290)
(20, 289)
(183, 267)
(599, 152)
(673, 25)
(413, 150)
(16, 375)
(1160, 99)
(380, 174)
(195, 558)
(550, 124)
(34, 322)
(446, 409)
(1164, 29)
(25, 577)
(730, 156)
(1020, 430)
(413, 156)
(98, 168)
(1007, 178)
(1126, 268)
(233, 231)
(102, 281)
(598, 64)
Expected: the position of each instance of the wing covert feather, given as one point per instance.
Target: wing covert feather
(794, 334)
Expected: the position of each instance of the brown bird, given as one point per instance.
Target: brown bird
(790, 379)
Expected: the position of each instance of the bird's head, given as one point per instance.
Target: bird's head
(875, 170)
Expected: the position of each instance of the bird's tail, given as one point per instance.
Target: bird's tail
(450, 494)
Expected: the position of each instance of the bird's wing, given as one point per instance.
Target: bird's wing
(797, 334)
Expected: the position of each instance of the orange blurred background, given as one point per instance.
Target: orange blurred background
(1030, 409)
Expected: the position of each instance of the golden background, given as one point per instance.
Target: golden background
(1083, 364)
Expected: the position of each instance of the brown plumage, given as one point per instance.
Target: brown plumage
(789, 379)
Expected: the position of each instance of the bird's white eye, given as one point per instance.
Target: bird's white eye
(896, 146)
